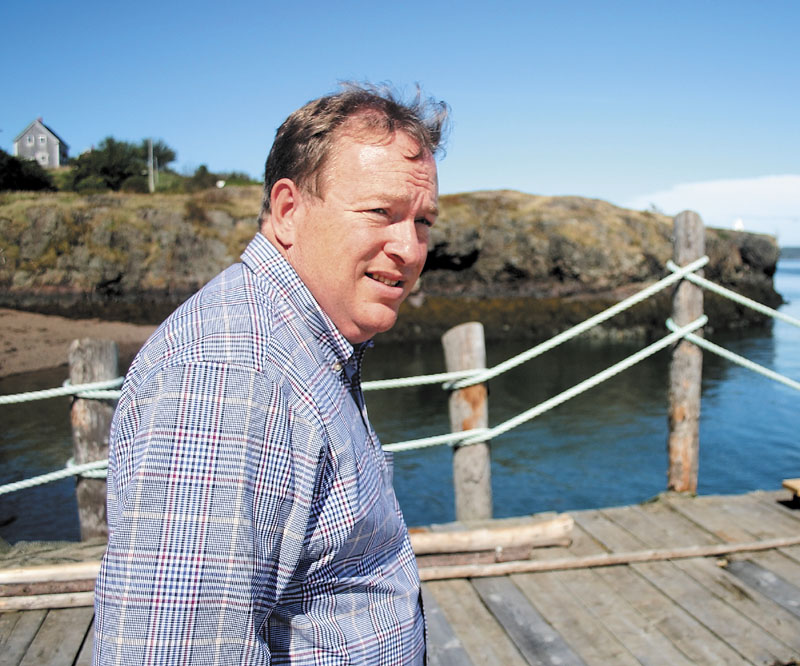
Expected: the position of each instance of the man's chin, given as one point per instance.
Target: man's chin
(368, 328)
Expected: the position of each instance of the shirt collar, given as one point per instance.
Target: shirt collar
(269, 265)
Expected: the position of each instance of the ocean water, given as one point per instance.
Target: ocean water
(606, 447)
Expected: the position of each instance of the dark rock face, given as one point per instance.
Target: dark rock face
(527, 266)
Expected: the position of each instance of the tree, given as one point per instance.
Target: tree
(162, 153)
(201, 179)
(112, 162)
(118, 165)
(17, 174)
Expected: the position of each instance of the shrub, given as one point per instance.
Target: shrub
(17, 174)
(135, 184)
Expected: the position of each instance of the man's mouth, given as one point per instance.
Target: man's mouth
(383, 280)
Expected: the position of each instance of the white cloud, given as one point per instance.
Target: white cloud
(769, 204)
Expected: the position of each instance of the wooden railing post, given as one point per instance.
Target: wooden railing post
(686, 367)
(464, 349)
(91, 361)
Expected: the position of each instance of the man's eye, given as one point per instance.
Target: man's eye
(424, 220)
(379, 211)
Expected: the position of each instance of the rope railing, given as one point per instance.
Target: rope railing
(69, 470)
(462, 379)
(732, 295)
(584, 326)
(736, 358)
(93, 390)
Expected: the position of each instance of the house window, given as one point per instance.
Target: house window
(42, 139)
(29, 139)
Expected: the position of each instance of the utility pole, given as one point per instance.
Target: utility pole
(150, 181)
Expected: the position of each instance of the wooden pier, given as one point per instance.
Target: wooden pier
(735, 608)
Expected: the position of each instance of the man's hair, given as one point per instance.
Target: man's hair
(304, 141)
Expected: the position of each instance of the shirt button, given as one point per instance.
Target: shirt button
(337, 367)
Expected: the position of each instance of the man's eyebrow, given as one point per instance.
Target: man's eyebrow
(432, 210)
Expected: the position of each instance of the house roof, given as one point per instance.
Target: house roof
(40, 122)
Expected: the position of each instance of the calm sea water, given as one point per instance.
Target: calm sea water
(604, 448)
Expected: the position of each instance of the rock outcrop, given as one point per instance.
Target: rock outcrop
(527, 266)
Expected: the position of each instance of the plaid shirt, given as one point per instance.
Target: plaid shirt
(250, 505)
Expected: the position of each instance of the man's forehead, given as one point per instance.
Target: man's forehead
(371, 152)
(364, 134)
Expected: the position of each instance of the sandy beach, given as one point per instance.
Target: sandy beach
(30, 341)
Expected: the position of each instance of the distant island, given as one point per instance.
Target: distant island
(790, 252)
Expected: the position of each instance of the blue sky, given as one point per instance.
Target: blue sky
(675, 104)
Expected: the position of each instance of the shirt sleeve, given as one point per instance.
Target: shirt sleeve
(210, 482)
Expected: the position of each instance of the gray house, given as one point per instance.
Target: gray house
(38, 142)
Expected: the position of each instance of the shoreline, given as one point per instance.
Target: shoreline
(30, 341)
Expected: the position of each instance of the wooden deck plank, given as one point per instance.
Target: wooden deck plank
(548, 593)
(588, 637)
(604, 599)
(689, 635)
(7, 623)
(751, 602)
(745, 611)
(747, 599)
(444, 647)
(622, 618)
(742, 514)
(481, 635)
(720, 610)
(85, 655)
(538, 642)
(762, 517)
(23, 628)
(59, 638)
(779, 501)
(778, 589)
(706, 514)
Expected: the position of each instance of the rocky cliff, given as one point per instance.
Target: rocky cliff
(527, 266)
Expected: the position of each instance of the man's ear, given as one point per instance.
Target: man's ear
(285, 202)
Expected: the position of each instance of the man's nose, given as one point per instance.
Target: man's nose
(404, 243)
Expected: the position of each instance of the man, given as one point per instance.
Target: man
(251, 512)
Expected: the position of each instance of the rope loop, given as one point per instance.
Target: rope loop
(96, 390)
(97, 469)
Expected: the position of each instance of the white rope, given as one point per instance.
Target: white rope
(483, 435)
(582, 327)
(449, 438)
(735, 358)
(590, 383)
(99, 395)
(732, 295)
(67, 389)
(97, 469)
(69, 470)
(405, 382)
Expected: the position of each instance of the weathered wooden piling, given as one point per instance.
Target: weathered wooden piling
(464, 349)
(91, 361)
(686, 367)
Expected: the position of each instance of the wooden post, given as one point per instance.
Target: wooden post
(91, 361)
(464, 349)
(686, 367)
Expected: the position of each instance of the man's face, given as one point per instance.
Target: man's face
(361, 246)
